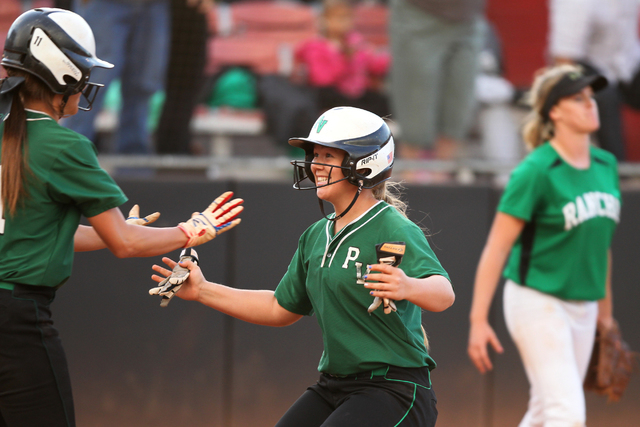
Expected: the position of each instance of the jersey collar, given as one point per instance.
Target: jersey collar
(349, 229)
(33, 115)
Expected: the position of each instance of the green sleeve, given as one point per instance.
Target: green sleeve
(291, 292)
(523, 192)
(77, 178)
(419, 260)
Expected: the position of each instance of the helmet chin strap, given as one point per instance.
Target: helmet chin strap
(353, 202)
(63, 104)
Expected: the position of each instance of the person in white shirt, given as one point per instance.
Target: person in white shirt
(602, 36)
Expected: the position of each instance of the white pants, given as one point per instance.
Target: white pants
(555, 338)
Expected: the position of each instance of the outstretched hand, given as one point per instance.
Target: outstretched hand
(480, 335)
(184, 279)
(221, 215)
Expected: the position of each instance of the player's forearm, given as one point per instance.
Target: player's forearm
(149, 241)
(86, 239)
(126, 240)
(433, 293)
(136, 241)
(504, 232)
(486, 282)
(605, 305)
(253, 306)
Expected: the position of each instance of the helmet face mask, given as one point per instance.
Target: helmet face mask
(302, 171)
(58, 47)
(89, 93)
(363, 136)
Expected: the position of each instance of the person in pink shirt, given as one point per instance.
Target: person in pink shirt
(346, 69)
(337, 67)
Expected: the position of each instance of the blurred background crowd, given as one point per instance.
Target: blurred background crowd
(204, 81)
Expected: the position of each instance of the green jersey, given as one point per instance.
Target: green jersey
(36, 244)
(323, 278)
(570, 216)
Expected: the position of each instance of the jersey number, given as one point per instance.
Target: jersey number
(1, 210)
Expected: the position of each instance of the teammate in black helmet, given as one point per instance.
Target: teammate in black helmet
(375, 368)
(57, 48)
(50, 178)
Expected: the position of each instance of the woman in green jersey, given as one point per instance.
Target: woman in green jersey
(375, 368)
(50, 177)
(556, 219)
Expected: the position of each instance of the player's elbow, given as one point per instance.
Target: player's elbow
(442, 304)
(444, 296)
(449, 300)
(283, 317)
(288, 320)
(122, 253)
(122, 250)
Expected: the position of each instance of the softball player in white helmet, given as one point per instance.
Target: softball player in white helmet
(375, 368)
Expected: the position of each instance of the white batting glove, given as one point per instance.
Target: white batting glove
(219, 217)
(388, 305)
(390, 253)
(134, 217)
(172, 284)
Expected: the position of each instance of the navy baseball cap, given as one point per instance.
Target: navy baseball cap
(570, 84)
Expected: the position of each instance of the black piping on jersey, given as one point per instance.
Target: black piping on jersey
(558, 162)
(526, 246)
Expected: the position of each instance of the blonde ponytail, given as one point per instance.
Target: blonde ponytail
(389, 192)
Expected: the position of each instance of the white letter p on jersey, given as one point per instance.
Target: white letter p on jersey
(352, 255)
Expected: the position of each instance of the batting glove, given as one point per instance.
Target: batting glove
(390, 253)
(219, 217)
(172, 284)
(134, 217)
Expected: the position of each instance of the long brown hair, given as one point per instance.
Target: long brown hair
(15, 153)
(536, 130)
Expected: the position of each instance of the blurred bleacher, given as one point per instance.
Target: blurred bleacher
(262, 34)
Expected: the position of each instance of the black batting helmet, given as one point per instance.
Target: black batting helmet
(58, 47)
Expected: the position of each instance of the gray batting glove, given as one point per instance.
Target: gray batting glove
(172, 284)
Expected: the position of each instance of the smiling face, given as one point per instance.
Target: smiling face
(325, 175)
(578, 112)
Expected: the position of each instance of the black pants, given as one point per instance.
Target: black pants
(35, 389)
(403, 397)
